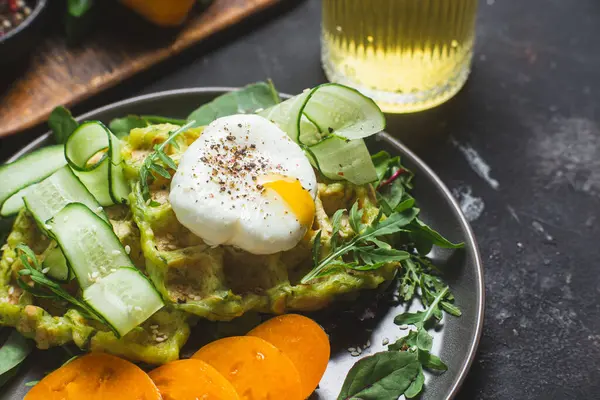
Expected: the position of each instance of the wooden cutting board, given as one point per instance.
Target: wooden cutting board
(58, 74)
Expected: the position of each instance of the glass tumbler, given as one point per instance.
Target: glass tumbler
(408, 55)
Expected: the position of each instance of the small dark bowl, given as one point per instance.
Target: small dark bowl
(20, 41)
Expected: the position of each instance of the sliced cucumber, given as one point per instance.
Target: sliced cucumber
(125, 298)
(330, 121)
(94, 154)
(338, 164)
(45, 199)
(32, 168)
(88, 242)
(56, 264)
(111, 285)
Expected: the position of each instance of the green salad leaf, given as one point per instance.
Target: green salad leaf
(45, 287)
(417, 278)
(12, 353)
(157, 161)
(359, 247)
(62, 124)
(382, 376)
(250, 99)
(122, 126)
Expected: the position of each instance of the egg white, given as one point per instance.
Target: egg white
(217, 193)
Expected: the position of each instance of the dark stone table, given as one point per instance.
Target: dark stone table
(520, 148)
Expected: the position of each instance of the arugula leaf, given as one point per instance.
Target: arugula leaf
(424, 238)
(336, 224)
(416, 386)
(393, 224)
(431, 361)
(382, 376)
(45, 287)
(409, 318)
(62, 124)
(424, 340)
(372, 255)
(450, 308)
(12, 353)
(355, 218)
(381, 161)
(248, 100)
(151, 162)
(317, 248)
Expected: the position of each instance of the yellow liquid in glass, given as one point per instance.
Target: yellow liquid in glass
(408, 55)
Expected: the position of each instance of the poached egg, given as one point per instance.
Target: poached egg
(245, 183)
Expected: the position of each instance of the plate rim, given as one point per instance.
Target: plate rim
(470, 239)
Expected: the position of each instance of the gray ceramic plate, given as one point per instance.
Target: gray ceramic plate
(368, 320)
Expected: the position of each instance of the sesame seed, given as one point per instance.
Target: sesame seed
(45, 270)
(116, 252)
(403, 327)
(160, 339)
(127, 249)
(355, 354)
(351, 349)
(10, 260)
(137, 308)
(11, 290)
(153, 327)
(385, 341)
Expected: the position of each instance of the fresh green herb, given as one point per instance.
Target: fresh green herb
(79, 20)
(424, 238)
(157, 161)
(12, 353)
(250, 99)
(45, 287)
(383, 376)
(418, 277)
(62, 124)
(77, 8)
(365, 246)
(122, 126)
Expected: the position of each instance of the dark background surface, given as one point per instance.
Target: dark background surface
(531, 112)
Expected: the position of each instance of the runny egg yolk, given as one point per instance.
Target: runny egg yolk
(298, 199)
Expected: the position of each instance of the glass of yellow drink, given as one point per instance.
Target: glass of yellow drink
(408, 55)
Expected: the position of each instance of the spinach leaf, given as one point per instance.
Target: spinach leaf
(62, 124)
(12, 353)
(382, 376)
(122, 126)
(248, 100)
